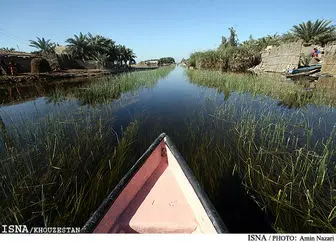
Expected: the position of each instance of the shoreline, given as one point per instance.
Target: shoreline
(67, 74)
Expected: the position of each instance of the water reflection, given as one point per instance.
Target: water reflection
(19, 93)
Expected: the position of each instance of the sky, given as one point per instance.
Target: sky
(154, 29)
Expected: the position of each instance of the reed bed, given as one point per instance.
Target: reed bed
(56, 171)
(285, 158)
(290, 173)
(273, 85)
(108, 89)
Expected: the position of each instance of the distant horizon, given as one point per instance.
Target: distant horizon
(153, 29)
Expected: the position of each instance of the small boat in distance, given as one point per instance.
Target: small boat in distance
(304, 71)
(159, 194)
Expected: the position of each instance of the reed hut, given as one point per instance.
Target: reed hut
(39, 65)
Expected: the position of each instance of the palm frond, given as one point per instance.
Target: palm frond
(310, 31)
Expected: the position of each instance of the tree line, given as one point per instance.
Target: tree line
(166, 60)
(89, 47)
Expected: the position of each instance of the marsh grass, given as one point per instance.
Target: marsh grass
(108, 89)
(273, 85)
(57, 171)
(286, 159)
(291, 173)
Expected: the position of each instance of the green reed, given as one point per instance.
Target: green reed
(291, 177)
(56, 171)
(286, 160)
(107, 89)
(274, 85)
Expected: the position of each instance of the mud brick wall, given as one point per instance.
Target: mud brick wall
(329, 62)
(280, 58)
(22, 63)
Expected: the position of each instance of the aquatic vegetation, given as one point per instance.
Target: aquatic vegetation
(56, 96)
(285, 159)
(230, 58)
(56, 171)
(285, 165)
(287, 92)
(107, 89)
(111, 88)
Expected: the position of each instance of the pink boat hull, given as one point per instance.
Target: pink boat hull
(158, 198)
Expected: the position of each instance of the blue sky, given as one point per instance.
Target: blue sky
(154, 28)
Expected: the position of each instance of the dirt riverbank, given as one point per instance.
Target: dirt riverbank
(65, 74)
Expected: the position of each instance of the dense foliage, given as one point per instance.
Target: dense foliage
(43, 45)
(99, 48)
(318, 32)
(166, 60)
(231, 55)
(89, 47)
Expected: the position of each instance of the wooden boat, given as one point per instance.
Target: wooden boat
(159, 194)
(304, 71)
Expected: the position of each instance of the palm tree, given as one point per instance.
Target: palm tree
(310, 31)
(96, 43)
(125, 55)
(99, 48)
(101, 59)
(120, 54)
(130, 56)
(102, 49)
(6, 49)
(79, 46)
(43, 45)
(323, 39)
(112, 51)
